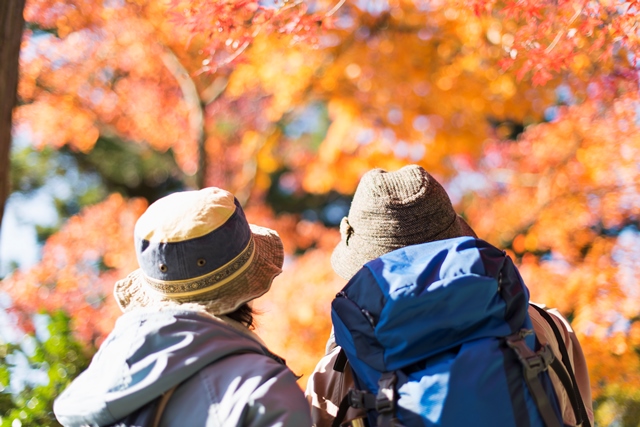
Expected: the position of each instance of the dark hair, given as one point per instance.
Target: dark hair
(243, 314)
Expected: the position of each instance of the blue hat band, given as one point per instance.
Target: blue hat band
(197, 257)
(187, 289)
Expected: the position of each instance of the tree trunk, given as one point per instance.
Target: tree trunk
(11, 25)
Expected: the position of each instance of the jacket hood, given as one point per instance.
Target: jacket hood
(421, 300)
(146, 354)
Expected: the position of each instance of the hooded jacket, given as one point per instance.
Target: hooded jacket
(224, 375)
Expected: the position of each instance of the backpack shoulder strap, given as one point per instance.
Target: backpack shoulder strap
(341, 361)
(345, 404)
(533, 363)
(570, 383)
(164, 399)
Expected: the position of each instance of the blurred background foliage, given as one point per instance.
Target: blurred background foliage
(528, 113)
(35, 370)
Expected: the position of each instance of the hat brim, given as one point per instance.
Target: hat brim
(132, 292)
(348, 260)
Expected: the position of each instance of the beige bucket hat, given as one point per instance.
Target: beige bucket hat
(196, 247)
(391, 210)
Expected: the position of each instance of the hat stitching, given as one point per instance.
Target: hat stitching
(207, 282)
(389, 187)
(445, 229)
(180, 256)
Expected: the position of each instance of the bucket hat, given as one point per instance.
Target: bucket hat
(391, 210)
(196, 247)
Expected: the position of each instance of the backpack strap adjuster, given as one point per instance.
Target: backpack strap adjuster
(386, 401)
(386, 398)
(361, 399)
(533, 362)
(384, 405)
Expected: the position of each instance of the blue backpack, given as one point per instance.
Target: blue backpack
(438, 334)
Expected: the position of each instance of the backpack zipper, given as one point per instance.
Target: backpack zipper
(364, 312)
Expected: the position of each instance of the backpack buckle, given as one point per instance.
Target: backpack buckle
(384, 404)
(385, 400)
(533, 363)
(361, 399)
(356, 398)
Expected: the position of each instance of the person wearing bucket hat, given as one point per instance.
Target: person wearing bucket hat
(183, 353)
(395, 215)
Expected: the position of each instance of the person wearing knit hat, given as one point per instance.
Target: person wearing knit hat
(183, 353)
(394, 215)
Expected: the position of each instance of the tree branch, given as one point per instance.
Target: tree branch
(196, 109)
(11, 26)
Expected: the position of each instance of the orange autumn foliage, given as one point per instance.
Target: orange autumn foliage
(328, 93)
(79, 266)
